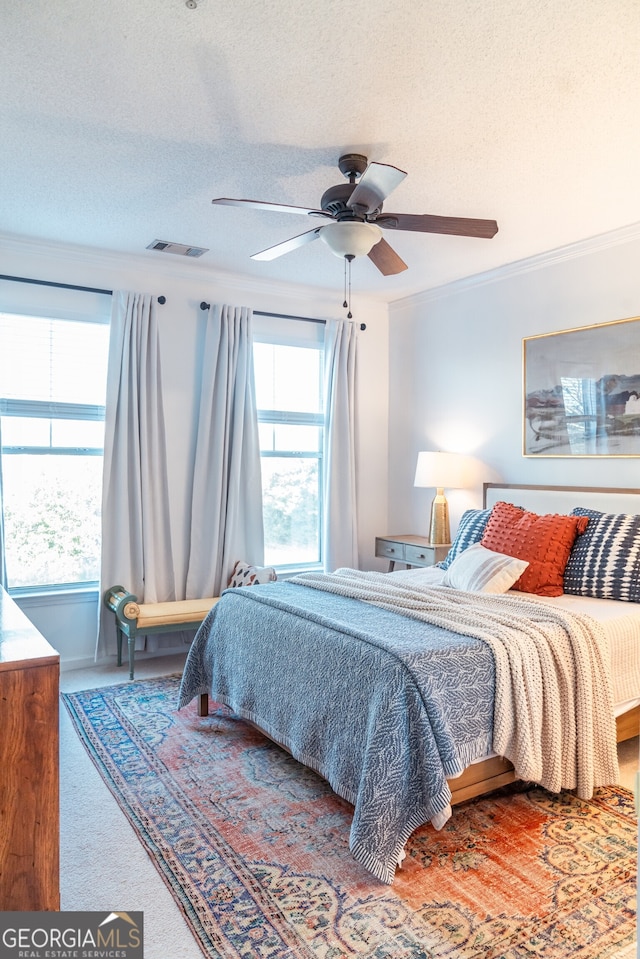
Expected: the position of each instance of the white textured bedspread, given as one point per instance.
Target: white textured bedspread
(553, 712)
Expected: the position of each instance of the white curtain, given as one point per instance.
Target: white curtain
(340, 519)
(136, 537)
(226, 521)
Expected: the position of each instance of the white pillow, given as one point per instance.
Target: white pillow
(482, 570)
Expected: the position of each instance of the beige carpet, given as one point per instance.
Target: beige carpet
(103, 865)
(630, 952)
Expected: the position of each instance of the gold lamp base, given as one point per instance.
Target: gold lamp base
(439, 531)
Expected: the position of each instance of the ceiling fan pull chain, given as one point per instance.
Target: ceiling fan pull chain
(349, 257)
(345, 304)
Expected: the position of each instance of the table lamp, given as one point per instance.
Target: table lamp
(440, 470)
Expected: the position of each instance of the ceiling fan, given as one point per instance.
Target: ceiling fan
(356, 220)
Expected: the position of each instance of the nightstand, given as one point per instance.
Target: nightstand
(410, 550)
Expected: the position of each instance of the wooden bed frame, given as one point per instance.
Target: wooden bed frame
(489, 774)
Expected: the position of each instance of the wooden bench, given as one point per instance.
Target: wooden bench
(135, 619)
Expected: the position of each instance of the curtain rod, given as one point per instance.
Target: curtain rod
(307, 319)
(64, 286)
(283, 316)
(287, 316)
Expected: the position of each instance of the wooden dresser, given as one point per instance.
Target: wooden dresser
(29, 765)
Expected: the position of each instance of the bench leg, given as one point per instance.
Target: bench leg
(132, 653)
(119, 635)
(203, 704)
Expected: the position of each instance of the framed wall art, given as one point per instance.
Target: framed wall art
(582, 391)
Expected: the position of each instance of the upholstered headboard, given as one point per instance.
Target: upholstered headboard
(562, 499)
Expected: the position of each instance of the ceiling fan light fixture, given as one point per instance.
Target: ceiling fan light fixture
(350, 237)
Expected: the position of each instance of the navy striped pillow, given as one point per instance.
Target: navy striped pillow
(605, 560)
(470, 531)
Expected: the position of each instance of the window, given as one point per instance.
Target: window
(289, 396)
(52, 395)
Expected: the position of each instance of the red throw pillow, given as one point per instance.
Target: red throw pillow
(544, 541)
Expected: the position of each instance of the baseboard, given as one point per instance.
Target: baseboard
(84, 662)
(142, 656)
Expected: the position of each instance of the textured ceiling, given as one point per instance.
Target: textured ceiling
(120, 121)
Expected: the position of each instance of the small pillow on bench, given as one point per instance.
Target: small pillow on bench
(246, 575)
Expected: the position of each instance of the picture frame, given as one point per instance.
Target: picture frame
(581, 391)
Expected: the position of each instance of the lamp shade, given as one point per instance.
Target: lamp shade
(351, 237)
(440, 470)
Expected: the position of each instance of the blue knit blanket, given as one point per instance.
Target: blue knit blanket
(383, 707)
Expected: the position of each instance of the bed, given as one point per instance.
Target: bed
(400, 690)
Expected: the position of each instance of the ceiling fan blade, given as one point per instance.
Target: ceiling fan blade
(281, 248)
(386, 259)
(374, 186)
(454, 225)
(273, 207)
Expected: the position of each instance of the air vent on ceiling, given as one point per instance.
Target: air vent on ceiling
(164, 246)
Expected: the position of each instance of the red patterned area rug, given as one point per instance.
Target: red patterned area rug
(254, 847)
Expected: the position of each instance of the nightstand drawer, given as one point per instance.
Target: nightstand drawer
(419, 555)
(392, 550)
(424, 555)
(410, 550)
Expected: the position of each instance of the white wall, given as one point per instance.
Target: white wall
(455, 376)
(69, 624)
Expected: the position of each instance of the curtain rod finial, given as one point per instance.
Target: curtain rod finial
(162, 300)
(204, 306)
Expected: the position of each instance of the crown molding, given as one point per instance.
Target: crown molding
(540, 261)
(324, 300)
(72, 257)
